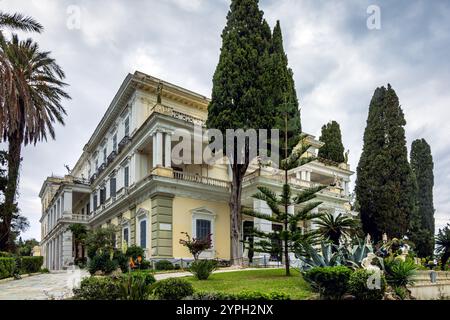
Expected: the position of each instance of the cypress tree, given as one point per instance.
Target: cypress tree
(385, 181)
(284, 95)
(422, 223)
(241, 87)
(333, 149)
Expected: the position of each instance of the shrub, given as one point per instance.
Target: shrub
(134, 252)
(121, 259)
(358, 286)
(136, 285)
(44, 270)
(98, 288)
(202, 269)
(164, 265)
(4, 254)
(31, 264)
(7, 266)
(331, 282)
(146, 265)
(172, 289)
(399, 273)
(102, 262)
(243, 295)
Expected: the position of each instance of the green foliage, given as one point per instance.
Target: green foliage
(135, 252)
(4, 254)
(172, 289)
(333, 228)
(7, 267)
(31, 264)
(102, 262)
(327, 256)
(385, 186)
(422, 221)
(202, 269)
(25, 248)
(164, 265)
(121, 259)
(330, 282)
(243, 295)
(44, 270)
(399, 273)
(333, 149)
(354, 254)
(443, 245)
(136, 285)
(358, 286)
(100, 241)
(98, 288)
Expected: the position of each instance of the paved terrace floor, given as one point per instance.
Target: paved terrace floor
(58, 285)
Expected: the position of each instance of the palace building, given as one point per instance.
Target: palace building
(126, 177)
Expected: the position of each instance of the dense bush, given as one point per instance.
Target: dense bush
(31, 264)
(4, 254)
(202, 269)
(121, 259)
(7, 266)
(102, 262)
(136, 285)
(358, 287)
(98, 288)
(135, 252)
(330, 282)
(399, 273)
(244, 295)
(172, 289)
(146, 265)
(164, 265)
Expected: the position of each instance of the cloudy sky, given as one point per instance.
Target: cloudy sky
(337, 61)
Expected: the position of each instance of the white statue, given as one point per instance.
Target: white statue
(405, 250)
(366, 263)
(368, 240)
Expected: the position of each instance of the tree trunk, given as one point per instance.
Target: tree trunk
(235, 212)
(9, 207)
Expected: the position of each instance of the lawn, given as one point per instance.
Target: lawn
(264, 280)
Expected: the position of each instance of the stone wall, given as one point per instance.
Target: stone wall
(425, 288)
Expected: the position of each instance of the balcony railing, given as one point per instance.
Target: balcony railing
(123, 143)
(111, 156)
(191, 177)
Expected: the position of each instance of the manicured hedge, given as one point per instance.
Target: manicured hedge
(7, 266)
(31, 264)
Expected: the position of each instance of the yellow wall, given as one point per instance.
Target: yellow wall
(182, 222)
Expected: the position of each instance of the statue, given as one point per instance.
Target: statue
(159, 92)
(366, 263)
(405, 250)
(346, 156)
(68, 169)
(368, 240)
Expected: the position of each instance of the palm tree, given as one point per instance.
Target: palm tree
(18, 21)
(30, 98)
(333, 228)
(443, 245)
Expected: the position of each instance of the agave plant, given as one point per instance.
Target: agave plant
(326, 257)
(354, 255)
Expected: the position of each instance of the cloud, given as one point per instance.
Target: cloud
(337, 63)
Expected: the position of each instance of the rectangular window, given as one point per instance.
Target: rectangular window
(127, 126)
(112, 187)
(96, 164)
(102, 195)
(126, 178)
(104, 155)
(88, 208)
(125, 235)
(95, 201)
(115, 142)
(203, 228)
(143, 232)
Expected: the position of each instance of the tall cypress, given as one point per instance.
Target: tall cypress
(284, 95)
(385, 181)
(333, 149)
(422, 223)
(240, 92)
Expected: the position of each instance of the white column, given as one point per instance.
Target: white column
(67, 202)
(308, 176)
(262, 225)
(67, 248)
(297, 175)
(159, 148)
(167, 150)
(154, 150)
(303, 175)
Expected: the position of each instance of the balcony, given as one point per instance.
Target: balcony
(168, 111)
(111, 157)
(125, 140)
(101, 168)
(190, 177)
(92, 178)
